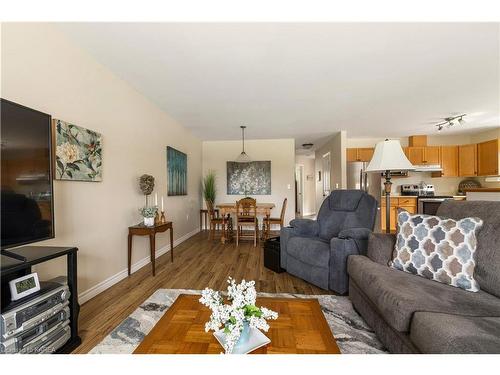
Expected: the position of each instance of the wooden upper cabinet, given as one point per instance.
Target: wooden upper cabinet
(424, 155)
(352, 154)
(416, 155)
(449, 161)
(487, 158)
(359, 154)
(365, 154)
(432, 155)
(467, 160)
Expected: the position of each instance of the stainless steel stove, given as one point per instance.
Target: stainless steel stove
(420, 190)
(427, 200)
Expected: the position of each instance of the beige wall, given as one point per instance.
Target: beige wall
(309, 193)
(336, 146)
(42, 70)
(281, 153)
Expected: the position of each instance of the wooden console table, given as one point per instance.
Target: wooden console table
(142, 230)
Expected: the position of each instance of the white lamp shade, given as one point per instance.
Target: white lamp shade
(389, 156)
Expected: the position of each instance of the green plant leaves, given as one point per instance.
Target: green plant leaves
(209, 186)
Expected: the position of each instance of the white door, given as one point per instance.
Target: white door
(326, 162)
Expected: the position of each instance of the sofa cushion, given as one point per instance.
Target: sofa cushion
(487, 271)
(445, 333)
(398, 295)
(313, 251)
(438, 249)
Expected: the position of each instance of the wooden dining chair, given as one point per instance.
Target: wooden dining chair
(275, 220)
(216, 222)
(246, 217)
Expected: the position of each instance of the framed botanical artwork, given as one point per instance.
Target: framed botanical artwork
(77, 152)
(176, 172)
(253, 178)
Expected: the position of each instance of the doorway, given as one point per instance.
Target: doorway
(299, 190)
(326, 166)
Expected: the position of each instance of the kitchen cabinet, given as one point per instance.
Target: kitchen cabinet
(424, 155)
(359, 154)
(487, 158)
(467, 160)
(407, 203)
(449, 162)
(352, 154)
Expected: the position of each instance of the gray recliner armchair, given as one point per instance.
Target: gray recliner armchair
(317, 250)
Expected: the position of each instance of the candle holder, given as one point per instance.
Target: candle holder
(162, 217)
(157, 218)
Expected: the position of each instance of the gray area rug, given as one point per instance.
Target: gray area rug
(352, 334)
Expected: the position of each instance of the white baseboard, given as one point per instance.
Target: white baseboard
(110, 281)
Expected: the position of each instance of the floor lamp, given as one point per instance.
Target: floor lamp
(388, 157)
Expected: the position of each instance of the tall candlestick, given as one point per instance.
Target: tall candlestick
(156, 199)
(162, 203)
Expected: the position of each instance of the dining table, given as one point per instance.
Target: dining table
(263, 209)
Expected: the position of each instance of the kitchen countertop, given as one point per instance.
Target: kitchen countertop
(483, 190)
(455, 196)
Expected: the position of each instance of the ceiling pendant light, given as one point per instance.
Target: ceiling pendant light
(243, 157)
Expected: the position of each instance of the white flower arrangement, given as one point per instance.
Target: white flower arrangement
(232, 317)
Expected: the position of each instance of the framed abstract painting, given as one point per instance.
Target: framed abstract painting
(253, 178)
(176, 172)
(77, 152)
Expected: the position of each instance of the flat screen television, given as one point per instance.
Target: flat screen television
(27, 204)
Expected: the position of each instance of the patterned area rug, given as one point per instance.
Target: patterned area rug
(352, 334)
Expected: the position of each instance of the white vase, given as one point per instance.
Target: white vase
(149, 221)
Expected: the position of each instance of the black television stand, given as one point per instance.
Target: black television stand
(17, 262)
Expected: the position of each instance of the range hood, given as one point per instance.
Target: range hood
(428, 168)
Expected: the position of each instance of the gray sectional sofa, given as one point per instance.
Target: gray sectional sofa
(411, 314)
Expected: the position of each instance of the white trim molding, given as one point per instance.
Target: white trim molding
(110, 281)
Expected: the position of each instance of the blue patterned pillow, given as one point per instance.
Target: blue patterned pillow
(438, 249)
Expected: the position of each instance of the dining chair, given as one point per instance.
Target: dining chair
(246, 216)
(268, 221)
(215, 221)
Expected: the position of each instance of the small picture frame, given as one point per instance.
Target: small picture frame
(24, 286)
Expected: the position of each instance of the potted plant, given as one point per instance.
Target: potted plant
(149, 213)
(209, 188)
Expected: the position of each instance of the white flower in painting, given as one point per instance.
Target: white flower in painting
(68, 153)
(232, 317)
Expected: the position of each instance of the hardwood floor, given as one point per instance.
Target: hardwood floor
(198, 263)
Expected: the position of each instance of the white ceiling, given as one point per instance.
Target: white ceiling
(306, 80)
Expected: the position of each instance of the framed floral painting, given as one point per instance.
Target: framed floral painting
(77, 152)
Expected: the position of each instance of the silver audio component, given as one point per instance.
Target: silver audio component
(49, 341)
(18, 343)
(33, 312)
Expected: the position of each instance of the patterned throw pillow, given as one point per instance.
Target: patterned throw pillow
(438, 249)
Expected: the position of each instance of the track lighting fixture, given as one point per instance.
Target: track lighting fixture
(448, 122)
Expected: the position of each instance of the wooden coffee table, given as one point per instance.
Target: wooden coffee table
(300, 328)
